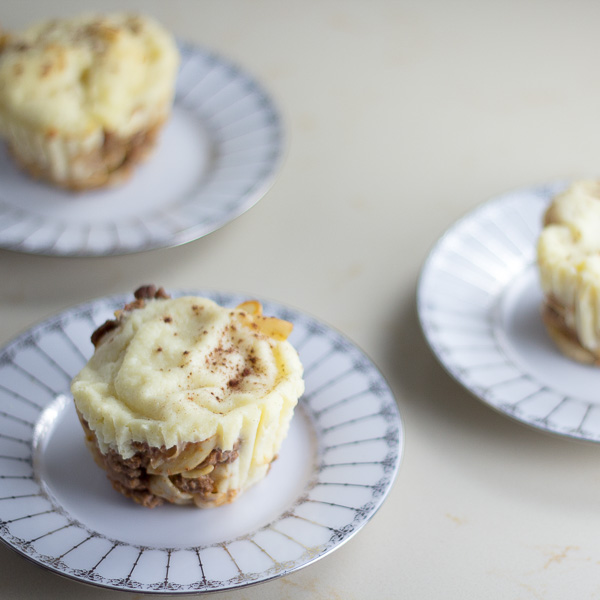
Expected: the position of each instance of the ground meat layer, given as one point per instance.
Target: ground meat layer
(130, 476)
(553, 316)
(109, 164)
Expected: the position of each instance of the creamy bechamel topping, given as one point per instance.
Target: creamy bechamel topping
(86, 74)
(569, 260)
(186, 370)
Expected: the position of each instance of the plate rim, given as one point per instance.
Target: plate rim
(223, 297)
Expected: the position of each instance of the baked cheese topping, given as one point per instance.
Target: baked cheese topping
(184, 370)
(79, 75)
(569, 258)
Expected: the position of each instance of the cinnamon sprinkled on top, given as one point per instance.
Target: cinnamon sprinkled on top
(175, 368)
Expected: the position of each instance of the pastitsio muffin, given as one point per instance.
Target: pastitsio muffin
(186, 401)
(568, 256)
(82, 99)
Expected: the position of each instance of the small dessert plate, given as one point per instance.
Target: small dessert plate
(58, 509)
(479, 302)
(215, 158)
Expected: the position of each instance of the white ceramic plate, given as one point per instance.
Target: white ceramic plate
(58, 509)
(216, 157)
(479, 301)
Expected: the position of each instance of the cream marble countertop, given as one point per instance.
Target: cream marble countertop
(401, 117)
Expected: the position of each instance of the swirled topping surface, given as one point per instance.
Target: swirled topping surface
(75, 76)
(183, 370)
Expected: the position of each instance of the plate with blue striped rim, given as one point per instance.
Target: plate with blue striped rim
(479, 302)
(217, 155)
(57, 508)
